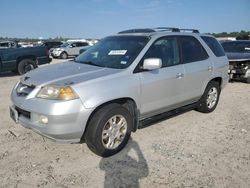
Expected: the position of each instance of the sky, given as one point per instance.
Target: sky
(99, 18)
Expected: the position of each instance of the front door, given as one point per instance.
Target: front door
(161, 89)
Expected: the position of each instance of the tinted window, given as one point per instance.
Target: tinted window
(214, 46)
(240, 47)
(65, 44)
(114, 52)
(84, 44)
(6, 44)
(78, 44)
(166, 49)
(192, 50)
(81, 44)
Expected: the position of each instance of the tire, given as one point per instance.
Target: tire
(100, 132)
(210, 98)
(246, 80)
(64, 55)
(26, 65)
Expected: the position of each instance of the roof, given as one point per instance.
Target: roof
(152, 31)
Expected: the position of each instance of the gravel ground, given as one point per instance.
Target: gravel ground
(189, 150)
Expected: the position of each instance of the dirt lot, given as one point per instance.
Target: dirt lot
(189, 150)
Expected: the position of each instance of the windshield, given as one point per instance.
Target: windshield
(65, 44)
(114, 52)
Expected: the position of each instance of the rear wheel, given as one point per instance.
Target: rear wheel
(210, 97)
(109, 130)
(26, 65)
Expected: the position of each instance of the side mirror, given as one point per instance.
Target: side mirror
(152, 64)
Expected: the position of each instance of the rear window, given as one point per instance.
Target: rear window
(214, 46)
(192, 50)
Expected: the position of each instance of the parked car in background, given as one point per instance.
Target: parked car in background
(22, 60)
(8, 44)
(69, 49)
(238, 53)
(50, 45)
(104, 94)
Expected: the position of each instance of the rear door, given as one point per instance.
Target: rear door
(198, 67)
(161, 89)
(73, 49)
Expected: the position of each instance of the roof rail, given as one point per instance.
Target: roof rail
(158, 29)
(146, 30)
(173, 29)
(193, 30)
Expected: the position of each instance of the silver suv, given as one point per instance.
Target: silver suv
(69, 49)
(104, 94)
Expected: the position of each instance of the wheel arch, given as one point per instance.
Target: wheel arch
(217, 79)
(31, 57)
(64, 51)
(126, 102)
(20, 58)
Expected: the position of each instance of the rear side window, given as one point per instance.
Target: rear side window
(191, 50)
(214, 46)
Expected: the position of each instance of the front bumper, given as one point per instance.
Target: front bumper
(66, 119)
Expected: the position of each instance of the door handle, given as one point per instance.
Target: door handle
(210, 68)
(179, 75)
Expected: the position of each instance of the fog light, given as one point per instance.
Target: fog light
(43, 119)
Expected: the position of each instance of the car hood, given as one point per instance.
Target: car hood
(66, 73)
(59, 49)
(238, 56)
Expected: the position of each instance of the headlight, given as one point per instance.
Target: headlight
(57, 93)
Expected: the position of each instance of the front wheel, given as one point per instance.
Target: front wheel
(210, 97)
(64, 55)
(109, 130)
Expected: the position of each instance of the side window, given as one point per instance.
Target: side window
(166, 49)
(84, 44)
(214, 46)
(192, 50)
(4, 44)
(78, 44)
(74, 45)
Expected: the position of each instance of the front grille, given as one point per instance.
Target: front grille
(22, 112)
(23, 89)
